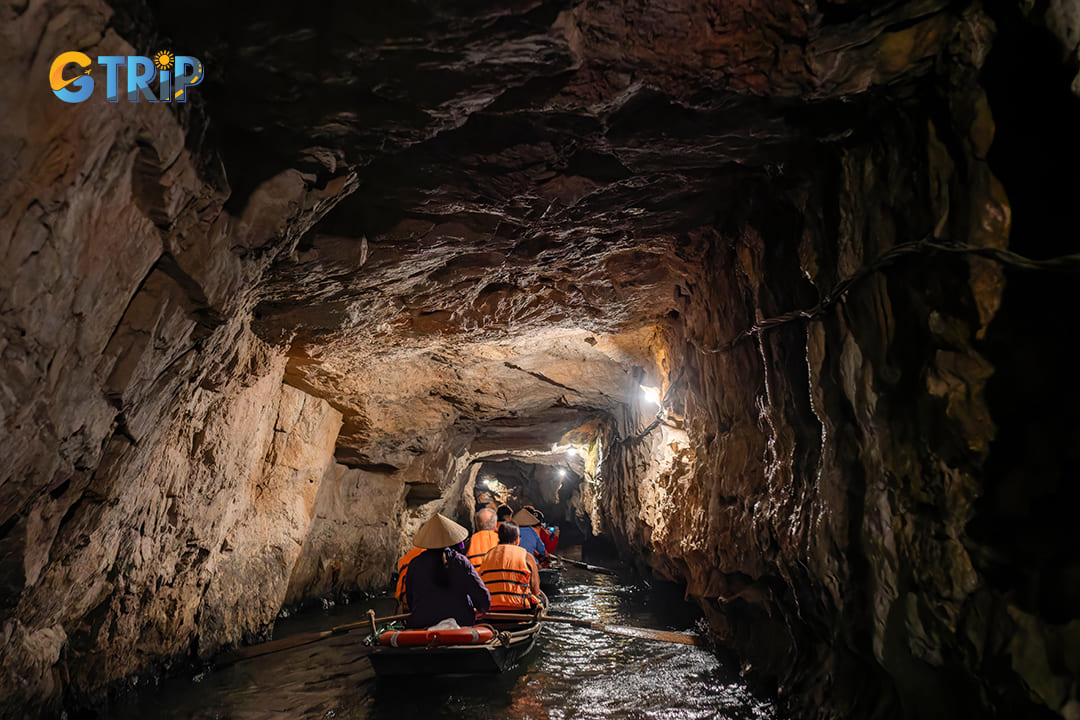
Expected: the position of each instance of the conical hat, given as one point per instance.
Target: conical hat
(524, 518)
(439, 532)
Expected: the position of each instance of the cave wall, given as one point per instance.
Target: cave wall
(157, 479)
(364, 520)
(834, 463)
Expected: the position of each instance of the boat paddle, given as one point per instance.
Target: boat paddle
(587, 566)
(624, 630)
(292, 641)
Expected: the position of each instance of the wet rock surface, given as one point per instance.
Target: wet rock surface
(251, 343)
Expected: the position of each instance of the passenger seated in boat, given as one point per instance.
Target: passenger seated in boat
(403, 571)
(484, 538)
(504, 512)
(441, 582)
(511, 573)
(549, 537)
(530, 539)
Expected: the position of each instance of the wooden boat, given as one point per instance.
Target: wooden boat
(549, 579)
(493, 648)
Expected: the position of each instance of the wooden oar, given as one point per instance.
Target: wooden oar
(297, 640)
(587, 566)
(626, 631)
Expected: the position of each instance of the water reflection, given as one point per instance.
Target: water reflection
(573, 673)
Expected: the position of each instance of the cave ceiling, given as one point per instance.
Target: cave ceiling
(519, 189)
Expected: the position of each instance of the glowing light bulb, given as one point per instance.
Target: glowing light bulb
(562, 472)
(651, 394)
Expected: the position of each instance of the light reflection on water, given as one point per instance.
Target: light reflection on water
(573, 673)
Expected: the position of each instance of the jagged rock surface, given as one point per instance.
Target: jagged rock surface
(251, 343)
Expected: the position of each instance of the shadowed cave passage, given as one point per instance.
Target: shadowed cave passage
(555, 490)
(250, 343)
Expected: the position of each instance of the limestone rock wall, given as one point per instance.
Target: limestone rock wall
(364, 521)
(147, 476)
(817, 504)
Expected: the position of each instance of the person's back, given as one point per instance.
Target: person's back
(530, 539)
(531, 542)
(510, 573)
(549, 538)
(484, 538)
(442, 584)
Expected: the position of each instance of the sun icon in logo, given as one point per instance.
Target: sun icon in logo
(163, 59)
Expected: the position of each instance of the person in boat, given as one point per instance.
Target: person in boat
(511, 573)
(530, 539)
(550, 537)
(441, 582)
(403, 570)
(484, 538)
(504, 512)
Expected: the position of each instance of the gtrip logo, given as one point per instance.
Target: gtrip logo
(172, 75)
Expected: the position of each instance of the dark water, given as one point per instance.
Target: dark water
(572, 673)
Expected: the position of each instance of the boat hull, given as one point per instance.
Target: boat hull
(549, 579)
(451, 659)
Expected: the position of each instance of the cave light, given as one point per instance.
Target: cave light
(581, 451)
(493, 485)
(561, 472)
(652, 394)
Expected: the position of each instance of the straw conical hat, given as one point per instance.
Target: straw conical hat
(439, 532)
(524, 518)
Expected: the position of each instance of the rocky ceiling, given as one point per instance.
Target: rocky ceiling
(515, 183)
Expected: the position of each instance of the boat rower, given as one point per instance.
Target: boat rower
(441, 582)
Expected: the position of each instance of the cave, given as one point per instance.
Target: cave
(770, 298)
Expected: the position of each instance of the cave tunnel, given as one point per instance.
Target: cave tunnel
(770, 300)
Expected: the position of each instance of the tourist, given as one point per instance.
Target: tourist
(403, 570)
(504, 513)
(530, 539)
(548, 536)
(510, 572)
(484, 538)
(441, 582)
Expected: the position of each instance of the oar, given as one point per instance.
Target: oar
(297, 640)
(587, 566)
(634, 632)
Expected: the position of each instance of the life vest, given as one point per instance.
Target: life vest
(403, 569)
(479, 544)
(506, 573)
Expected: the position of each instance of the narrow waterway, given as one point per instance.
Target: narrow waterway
(572, 673)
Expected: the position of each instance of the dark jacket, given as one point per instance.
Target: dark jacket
(463, 595)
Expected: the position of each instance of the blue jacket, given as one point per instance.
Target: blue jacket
(530, 540)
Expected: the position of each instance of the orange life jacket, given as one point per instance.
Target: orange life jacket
(403, 568)
(479, 544)
(506, 573)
